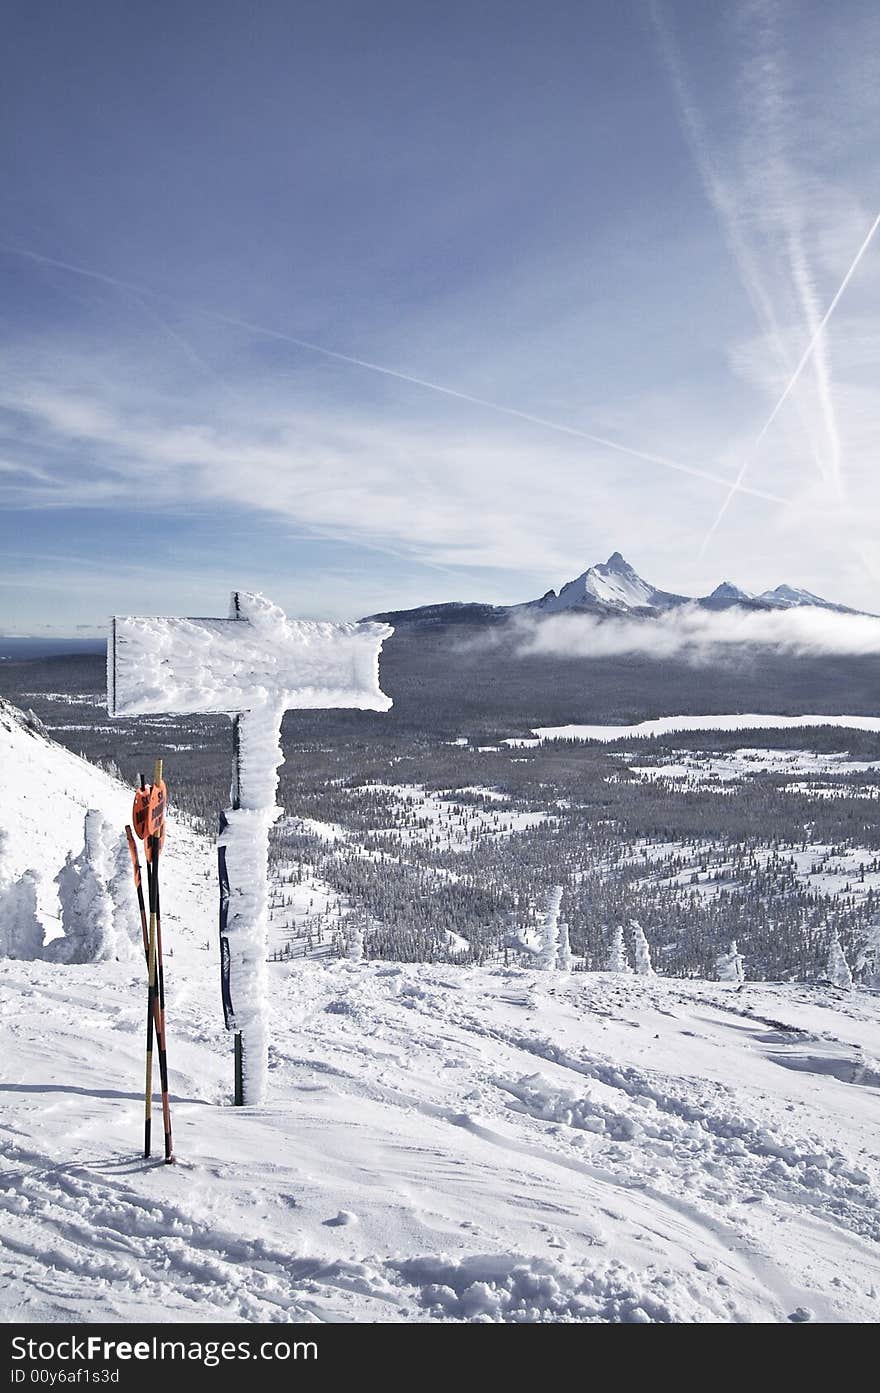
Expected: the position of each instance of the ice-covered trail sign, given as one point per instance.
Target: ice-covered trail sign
(253, 666)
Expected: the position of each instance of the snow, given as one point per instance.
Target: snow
(443, 1143)
(420, 816)
(699, 769)
(666, 725)
(47, 793)
(437, 1143)
(159, 664)
(613, 583)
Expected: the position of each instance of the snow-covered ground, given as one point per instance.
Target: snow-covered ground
(667, 725)
(438, 1143)
(701, 770)
(443, 1143)
(420, 816)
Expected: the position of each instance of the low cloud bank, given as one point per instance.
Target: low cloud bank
(696, 635)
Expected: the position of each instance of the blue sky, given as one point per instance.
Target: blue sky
(623, 218)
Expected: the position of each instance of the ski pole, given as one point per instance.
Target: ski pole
(160, 1026)
(158, 1002)
(153, 842)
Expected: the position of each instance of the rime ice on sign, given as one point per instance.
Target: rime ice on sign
(253, 666)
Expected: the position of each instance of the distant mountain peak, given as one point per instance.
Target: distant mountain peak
(728, 591)
(793, 597)
(608, 586)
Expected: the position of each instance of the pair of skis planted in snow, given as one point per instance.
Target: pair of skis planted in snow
(148, 817)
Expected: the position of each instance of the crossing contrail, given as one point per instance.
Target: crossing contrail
(737, 486)
(277, 334)
(732, 221)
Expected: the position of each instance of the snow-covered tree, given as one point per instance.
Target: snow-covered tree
(729, 966)
(617, 960)
(354, 940)
(548, 952)
(641, 952)
(563, 949)
(86, 904)
(867, 965)
(127, 932)
(836, 966)
(21, 931)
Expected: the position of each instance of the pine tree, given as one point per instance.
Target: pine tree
(21, 931)
(867, 967)
(616, 960)
(563, 951)
(127, 934)
(641, 951)
(354, 940)
(729, 966)
(86, 905)
(548, 953)
(836, 966)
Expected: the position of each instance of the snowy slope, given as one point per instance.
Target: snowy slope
(439, 1143)
(46, 792)
(445, 1143)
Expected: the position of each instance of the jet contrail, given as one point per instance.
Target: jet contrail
(792, 383)
(768, 94)
(730, 220)
(453, 392)
(724, 204)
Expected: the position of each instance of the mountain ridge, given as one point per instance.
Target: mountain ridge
(610, 588)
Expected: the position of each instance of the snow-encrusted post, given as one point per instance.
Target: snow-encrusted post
(253, 666)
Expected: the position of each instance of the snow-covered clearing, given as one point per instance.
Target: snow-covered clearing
(667, 725)
(695, 769)
(419, 816)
